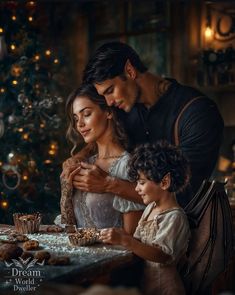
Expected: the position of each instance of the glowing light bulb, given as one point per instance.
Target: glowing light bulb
(1, 163)
(13, 17)
(2, 90)
(37, 57)
(51, 152)
(10, 155)
(42, 125)
(56, 61)
(47, 161)
(53, 146)
(20, 130)
(208, 33)
(26, 136)
(14, 82)
(31, 3)
(1, 30)
(13, 47)
(25, 177)
(48, 52)
(30, 18)
(4, 204)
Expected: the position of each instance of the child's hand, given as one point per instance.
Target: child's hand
(112, 235)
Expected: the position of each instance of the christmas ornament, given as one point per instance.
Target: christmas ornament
(10, 177)
(16, 70)
(21, 98)
(56, 121)
(12, 119)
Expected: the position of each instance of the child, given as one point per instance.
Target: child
(162, 234)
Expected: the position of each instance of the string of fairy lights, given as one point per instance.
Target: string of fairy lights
(29, 106)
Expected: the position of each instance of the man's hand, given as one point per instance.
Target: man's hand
(91, 178)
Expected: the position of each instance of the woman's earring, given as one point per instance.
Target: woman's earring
(110, 115)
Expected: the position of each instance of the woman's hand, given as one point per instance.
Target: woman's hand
(69, 171)
(69, 165)
(112, 235)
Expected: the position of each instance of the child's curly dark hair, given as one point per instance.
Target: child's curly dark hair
(156, 160)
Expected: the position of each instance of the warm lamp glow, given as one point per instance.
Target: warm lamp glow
(13, 17)
(56, 61)
(1, 30)
(26, 136)
(4, 204)
(25, 177)
(48, 52)
(20, 129)
(2, 90)
(208, 33)
(30, 18)
(51, 152)
(14, 82)
(13, 47)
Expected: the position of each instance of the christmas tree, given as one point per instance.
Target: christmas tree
(31, 115)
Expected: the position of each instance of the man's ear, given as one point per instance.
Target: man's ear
(129, 70)
(166, 182)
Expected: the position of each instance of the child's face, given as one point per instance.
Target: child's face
(149, 190)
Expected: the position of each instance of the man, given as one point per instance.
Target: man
(148, 107)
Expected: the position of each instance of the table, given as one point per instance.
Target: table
(96, 263)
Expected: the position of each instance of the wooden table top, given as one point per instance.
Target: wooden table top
(87, 262)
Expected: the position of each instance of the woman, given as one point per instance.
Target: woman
(91, 120)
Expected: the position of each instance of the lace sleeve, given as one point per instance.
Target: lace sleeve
(66, 204)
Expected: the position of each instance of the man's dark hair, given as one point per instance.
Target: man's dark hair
(108, 62)
(158, 159)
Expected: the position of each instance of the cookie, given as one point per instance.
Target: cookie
(60, 260)
(31, 245)
(27, 217)
(18, 238)
(70, 229)
(42, 255)
(54, 229)
(9, 251)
